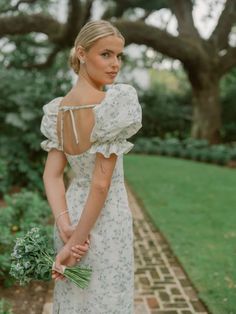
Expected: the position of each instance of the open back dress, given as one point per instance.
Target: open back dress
(111, 256)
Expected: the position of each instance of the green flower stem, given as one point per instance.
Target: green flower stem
(79, 276)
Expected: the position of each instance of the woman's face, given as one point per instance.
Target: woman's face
(103, 60)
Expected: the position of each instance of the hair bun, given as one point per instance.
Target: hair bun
(74, 61)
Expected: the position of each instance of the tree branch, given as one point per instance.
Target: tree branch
(74, 10)
(115, 9)
(228, 61)
(74, 18)
(121, 6)
(87, 11)
(78, 15)
(182, 9)
(186, 50)
(24, 24)
(226, 20)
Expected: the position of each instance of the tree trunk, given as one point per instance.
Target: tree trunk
(206, 110)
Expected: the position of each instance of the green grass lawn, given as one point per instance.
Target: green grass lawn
(194, 206)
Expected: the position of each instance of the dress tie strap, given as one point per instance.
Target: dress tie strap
(71, 108)
(73, 126)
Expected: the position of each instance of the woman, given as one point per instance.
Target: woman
(88, 128)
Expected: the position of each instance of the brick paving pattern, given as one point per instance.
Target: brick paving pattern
(161, 285)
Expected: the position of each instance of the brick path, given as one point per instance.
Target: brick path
(161, 286)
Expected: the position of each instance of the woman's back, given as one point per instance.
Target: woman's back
(79, 122)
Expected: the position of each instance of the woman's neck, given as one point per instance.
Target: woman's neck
(84, 82)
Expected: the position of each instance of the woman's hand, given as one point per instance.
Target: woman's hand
(65, 231)
(69, 257)
(78, 251)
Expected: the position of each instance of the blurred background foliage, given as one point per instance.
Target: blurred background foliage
(23, 95)
(228, 96)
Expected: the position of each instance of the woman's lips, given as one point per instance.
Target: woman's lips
(112, 74)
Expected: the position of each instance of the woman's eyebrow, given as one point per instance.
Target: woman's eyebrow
(109, 50)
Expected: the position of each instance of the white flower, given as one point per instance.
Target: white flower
(26, 265)
(15, 254)
(18, 267)
(27, 248)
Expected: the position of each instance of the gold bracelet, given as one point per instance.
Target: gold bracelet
(59, 215)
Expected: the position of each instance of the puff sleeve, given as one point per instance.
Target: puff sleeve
(116, 119)
(48, 126)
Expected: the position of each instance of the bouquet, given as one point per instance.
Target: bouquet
(33, 259)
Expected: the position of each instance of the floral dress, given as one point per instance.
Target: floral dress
(111, 288)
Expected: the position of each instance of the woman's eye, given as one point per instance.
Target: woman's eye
(105, 53)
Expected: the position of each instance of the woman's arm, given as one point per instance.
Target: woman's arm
(99, 188)
(100, 185)
(53, 178)
(55, 190)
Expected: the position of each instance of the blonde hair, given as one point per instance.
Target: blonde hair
(88, 34)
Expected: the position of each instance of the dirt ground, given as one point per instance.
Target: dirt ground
(26, 300)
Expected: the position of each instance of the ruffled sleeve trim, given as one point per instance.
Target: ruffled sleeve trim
(47, 145)
(107, 148)
(48, 125)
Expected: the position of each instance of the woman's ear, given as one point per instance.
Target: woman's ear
(80, 53)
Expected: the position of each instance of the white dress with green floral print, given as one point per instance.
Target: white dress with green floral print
(110, 291)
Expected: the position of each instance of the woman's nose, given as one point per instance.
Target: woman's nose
(116, 62)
